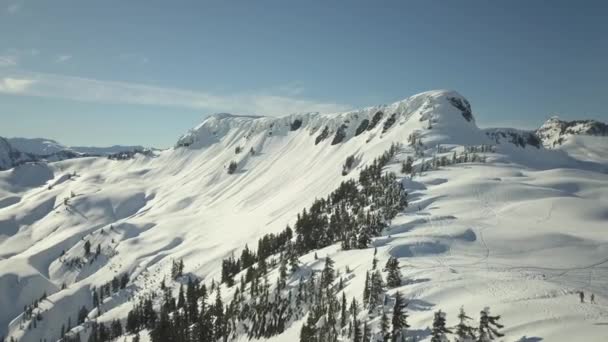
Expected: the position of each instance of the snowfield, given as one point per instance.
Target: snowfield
(522, 232)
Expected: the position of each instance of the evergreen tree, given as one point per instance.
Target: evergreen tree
(464, 332)
(218, 313)
(399, 318)
(488, 326)
(394, 275)
(375, 260)
(366, 289)
(343, 312)
(82, 314)
(357, 334)
(163, 331)
(406, 167)
(282, 271)
(181, 299)
(376, 289)
(87, 248)
(328, 276)
(366, 337)
(191, 300)
(308, 333)
(439, 329)
(116, 328)
(384, 326)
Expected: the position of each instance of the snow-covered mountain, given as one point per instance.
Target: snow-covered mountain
(555, 132)
(17, 151)
(489, 222)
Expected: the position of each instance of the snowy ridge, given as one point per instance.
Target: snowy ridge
(17, 151)
(520, 232)
(554, 132)
(518, 137)
(432, 107)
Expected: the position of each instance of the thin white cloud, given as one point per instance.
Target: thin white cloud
(92, 90)
(13, 8)
(63, 58)
(8, 60)
(17, 86)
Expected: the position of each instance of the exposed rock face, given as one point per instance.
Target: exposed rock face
(554, 131)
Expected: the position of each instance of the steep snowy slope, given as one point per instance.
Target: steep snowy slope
(520, 232)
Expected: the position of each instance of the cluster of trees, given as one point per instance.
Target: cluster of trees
(470, 155)
(232, 167)
(177, 268)
(352, 214)
(355, 212)
(106, 290)
(187, 318)
(30, 311)
(77, 262)
(127, 155)
(102, 333)
(268, 245)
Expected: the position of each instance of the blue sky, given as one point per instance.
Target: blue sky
(143, 72)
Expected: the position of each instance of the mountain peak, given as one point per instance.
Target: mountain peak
(446, 110)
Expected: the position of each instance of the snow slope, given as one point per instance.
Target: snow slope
(520, 233)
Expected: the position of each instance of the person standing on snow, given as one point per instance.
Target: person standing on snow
(582, 296)
(592, 298)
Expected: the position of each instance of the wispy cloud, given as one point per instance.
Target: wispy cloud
(17, 86)
(63, 58)
(8, 60)
(13, 8)
(92, 90)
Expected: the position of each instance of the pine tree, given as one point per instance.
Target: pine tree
(375, 260)
(218, 312)
(488, 326)
(116, 328)
(376, 289)
(406, 167)
(366, 289)
(181, 299)
(399, 318)
(344, 312)
(439, 330)
(464, 332)
(282, 271)
(191, 300)
(308, 333)
(328, 276)
(87, 248)
(394, 275)
(82, 314)
(384, 327)
(162, 332)
(357, 334)
(366, 333)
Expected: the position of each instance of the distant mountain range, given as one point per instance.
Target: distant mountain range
(16, 151)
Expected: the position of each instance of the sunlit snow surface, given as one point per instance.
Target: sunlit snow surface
(521, 233)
